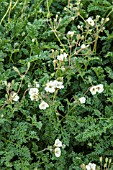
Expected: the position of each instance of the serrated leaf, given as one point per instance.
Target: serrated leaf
(39, 125)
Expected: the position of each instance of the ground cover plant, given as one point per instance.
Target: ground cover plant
(56, 89)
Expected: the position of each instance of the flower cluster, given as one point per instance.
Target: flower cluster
(62, 57)
(57, 146)
(52, 85)
(34, 94)
(94, 89)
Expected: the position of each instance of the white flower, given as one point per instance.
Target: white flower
(43, 105)
(82, 100)
(91, 166)
(58, 84)
(34, 95)
(65, 55)
(50, 87)
(78, 26)
(14, 96)
(83, 46)
(61, 57)
(33, 91)
(57, 152)
(71, 33)
(33, 40)
(58, 143)
(107, 19)
(90, 21)
(100, 88)
(37, 85)
(93, 90)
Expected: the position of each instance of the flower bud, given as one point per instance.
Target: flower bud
(83, 166)
(100, 159)
(107, 19)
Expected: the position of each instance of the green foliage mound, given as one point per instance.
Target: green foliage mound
(56, 84)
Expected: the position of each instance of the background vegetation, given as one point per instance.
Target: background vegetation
(32, 34)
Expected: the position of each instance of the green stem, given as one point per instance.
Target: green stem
(39, 4)
(48, 15)
(8, 10)
(68, 112)
(14, 4)
(5, 13)
(82, 18)
(59, 40)
(98, 32)
(55, 93)
(42, 150)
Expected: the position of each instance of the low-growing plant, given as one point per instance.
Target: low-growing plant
(56, 85)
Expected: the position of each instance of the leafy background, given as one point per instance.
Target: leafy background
(26, 35)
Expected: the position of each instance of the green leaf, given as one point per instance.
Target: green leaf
(39, 125)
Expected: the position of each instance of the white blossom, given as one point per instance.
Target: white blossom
(14, 96)
(43, 105)
(58, 143)
(90, 21)
(50, 87)
(33, 91)
(93, 90)
(61, 57)
(100, 88)
(33, 40)
(71, 33)
(91, 166)
(65, 55)
(82, 100)
(58, 84)
(107, 19)
(37, 85)
(34, 94)
(78, 26)
(57, 152)
(83, 46)
(34, 97)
